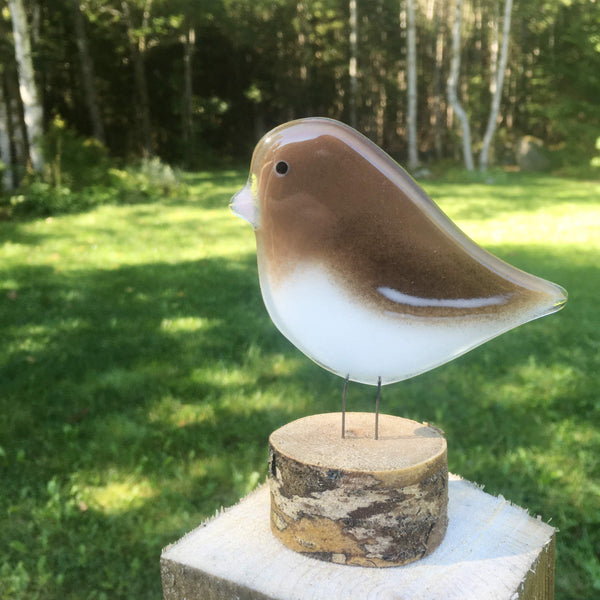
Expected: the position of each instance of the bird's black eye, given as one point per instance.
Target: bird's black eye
(281, 168)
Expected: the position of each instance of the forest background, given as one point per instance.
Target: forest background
(197, 83)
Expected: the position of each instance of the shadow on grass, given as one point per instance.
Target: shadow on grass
(12, 233)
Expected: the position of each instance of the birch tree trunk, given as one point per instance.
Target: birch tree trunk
(5, 153)
(352, 67)
(494, 49)
(411, 67)
(32, 106)
(87, 73)
(439, 28)
(453, 84)
(492, 121)
(189, 42)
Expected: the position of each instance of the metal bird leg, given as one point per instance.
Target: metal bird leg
(344, 406)
(377, 408)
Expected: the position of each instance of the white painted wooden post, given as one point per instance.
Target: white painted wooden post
(492, 550)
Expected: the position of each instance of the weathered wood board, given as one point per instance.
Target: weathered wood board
(492, 551)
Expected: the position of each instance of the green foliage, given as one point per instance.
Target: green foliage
(79, 175)
(140, 377)
(493, 176)
(257, 64)
(595, 162)
(44, 199)
(149, 179)
(72, 161)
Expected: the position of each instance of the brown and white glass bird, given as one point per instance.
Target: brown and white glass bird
(361, 270)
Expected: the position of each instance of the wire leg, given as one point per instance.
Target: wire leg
(344, 407)
(377, 408)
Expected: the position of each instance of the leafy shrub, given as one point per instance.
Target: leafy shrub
(595, 162)
(43, 199)
(150, 178)
(582, 168)
(78, 175)
(73, 161)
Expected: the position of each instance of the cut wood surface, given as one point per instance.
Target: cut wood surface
(492, 551)
(357, 500)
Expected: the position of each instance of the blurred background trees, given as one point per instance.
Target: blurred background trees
(194, 82)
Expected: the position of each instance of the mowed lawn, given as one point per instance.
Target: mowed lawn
(141, 377)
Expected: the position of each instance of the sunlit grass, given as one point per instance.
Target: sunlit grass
(118, 496)
(141, 377)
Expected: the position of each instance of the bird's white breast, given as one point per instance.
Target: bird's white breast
(331, 327)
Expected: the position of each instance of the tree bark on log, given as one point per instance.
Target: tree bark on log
(357, 500)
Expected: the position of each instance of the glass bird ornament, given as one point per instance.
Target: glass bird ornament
(361, 270)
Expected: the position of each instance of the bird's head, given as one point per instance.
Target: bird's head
(299, 168)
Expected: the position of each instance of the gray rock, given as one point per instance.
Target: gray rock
(531, 154)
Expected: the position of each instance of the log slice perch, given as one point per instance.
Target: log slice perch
(359, 501)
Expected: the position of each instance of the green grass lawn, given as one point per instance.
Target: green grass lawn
(141, 377)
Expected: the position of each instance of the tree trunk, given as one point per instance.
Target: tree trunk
(352, 67)
(36, 21)
(378, 67)
(339, 77)
(32, 106)
(16, 120)
(439, 28)
(304, 54)
(5, 153)
(411, 67)
(189, 42)
(138, 46)
(492, 121)
(453, 84)
(494, 50)
(87, 73)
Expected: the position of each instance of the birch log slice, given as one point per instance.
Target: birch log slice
(359, 501)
